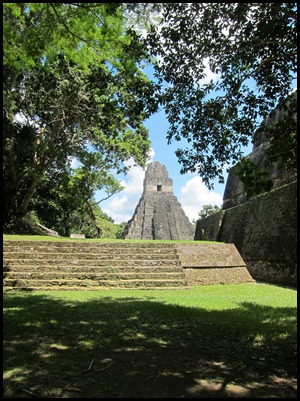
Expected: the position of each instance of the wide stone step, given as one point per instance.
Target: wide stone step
(87, 245)
(105, 275)
(76, 288)
(87, 256)
(46, 263)
(54, 263)
(91, 269)
(130, 283)
(91, 266)
(88, 249)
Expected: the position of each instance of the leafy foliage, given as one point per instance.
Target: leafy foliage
(252, 47)
(208, 210)
(64, 201)
(254, 179)
(85, 32)
(72, 88)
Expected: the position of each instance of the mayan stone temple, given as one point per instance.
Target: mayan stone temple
(158, 214)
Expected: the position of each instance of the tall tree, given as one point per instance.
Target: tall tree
(72, 88)
(208, 210)
(252, 47)
(65, 200)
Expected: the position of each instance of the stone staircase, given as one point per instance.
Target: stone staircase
(79, 265)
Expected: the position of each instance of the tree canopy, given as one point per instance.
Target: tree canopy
(65, 203)
(252, 47)
(208, 210)
(72, 88)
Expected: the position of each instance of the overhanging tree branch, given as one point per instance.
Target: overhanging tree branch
(102, 200)
(74, 35)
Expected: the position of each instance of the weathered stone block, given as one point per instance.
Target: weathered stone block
(225, 275)
(208, 228)
(209, 255)
(218, 263)
(77, 236)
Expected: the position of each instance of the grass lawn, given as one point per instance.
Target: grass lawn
(218, 341)
(14, 237)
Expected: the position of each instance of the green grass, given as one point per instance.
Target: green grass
(208, 341)
(14, 237)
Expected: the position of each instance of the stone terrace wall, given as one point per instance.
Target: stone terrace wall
(205, 264)
(264, 231)
(208, 228)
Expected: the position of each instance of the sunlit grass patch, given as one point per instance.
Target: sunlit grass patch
(94, 341)
(16, 237)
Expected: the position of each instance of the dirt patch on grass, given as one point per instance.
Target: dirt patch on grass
(147, 373)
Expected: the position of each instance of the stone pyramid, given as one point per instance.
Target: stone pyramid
(158, 214)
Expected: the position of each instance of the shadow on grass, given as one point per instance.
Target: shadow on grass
(142, 348)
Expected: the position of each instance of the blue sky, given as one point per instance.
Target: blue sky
(188, 188)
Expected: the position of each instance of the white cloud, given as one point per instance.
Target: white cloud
(121, 208)
(194, 194)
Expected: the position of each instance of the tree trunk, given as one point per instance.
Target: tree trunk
(25, 203)
(93, 218)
